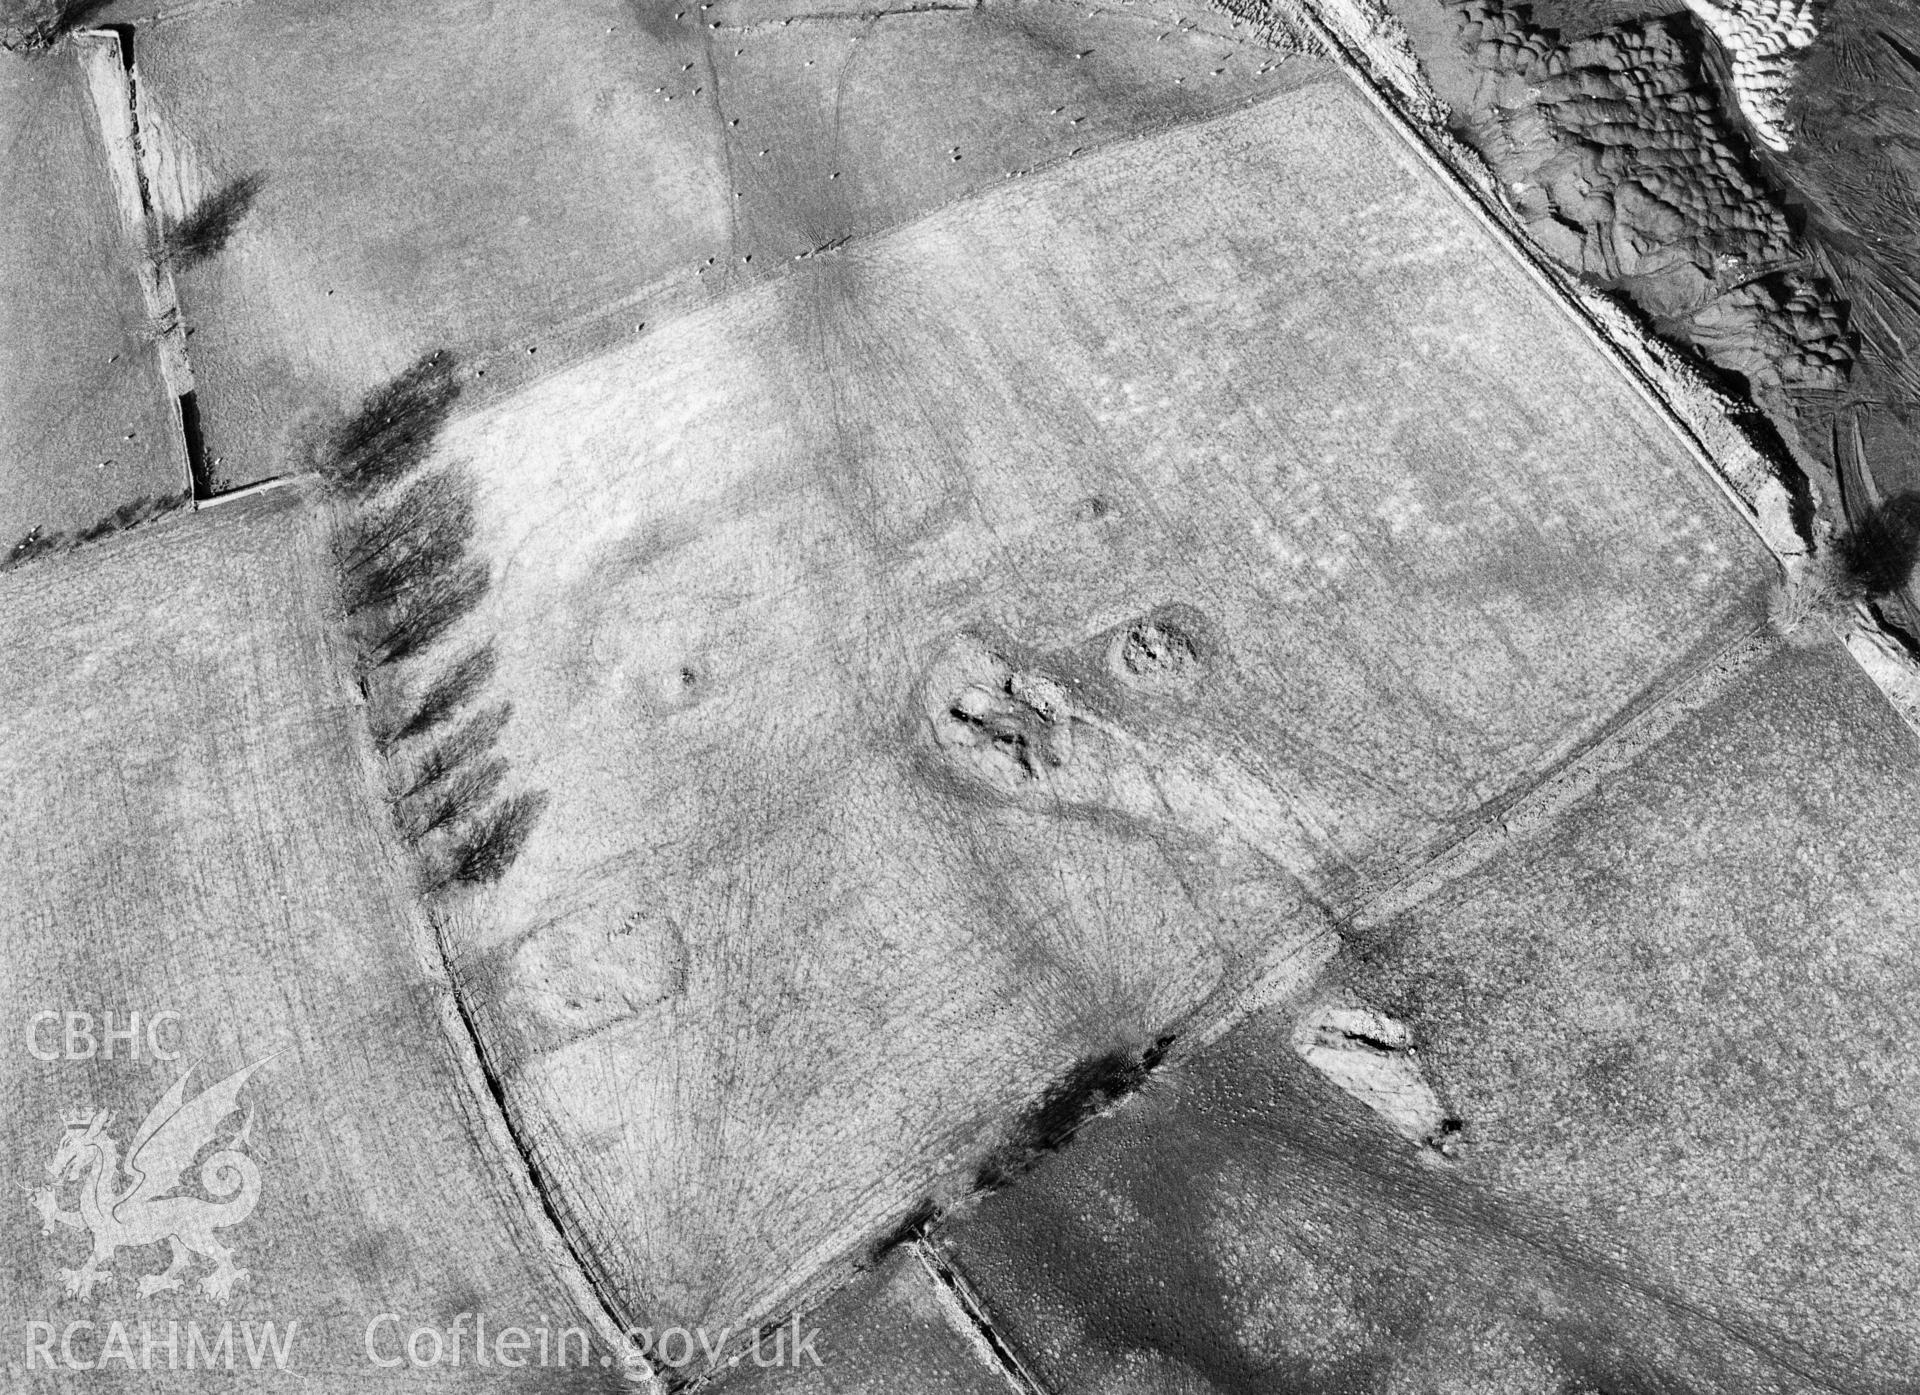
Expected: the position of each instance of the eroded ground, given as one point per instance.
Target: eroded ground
(1778, 253)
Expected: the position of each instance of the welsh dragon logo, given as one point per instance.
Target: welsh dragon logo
(142, 1211)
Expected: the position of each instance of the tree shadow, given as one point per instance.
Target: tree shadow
(211, 223)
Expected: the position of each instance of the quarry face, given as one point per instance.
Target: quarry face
(939, 697)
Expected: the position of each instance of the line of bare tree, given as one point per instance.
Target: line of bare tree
(409, 576)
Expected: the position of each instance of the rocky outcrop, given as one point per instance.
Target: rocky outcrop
(1614, 151)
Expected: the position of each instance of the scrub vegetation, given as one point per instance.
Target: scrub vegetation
(41, 541)
(1869, 561)
(35, 26)
(1094, 1084)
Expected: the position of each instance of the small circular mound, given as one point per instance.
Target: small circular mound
(1156, 651)
(1166, 649)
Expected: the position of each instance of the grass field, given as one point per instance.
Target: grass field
(527, 186)
(1677, 1026)
(1087, 515)
(970, 653)
(85, 421)
(452, 174)
(189, 828)
(1684, 1016)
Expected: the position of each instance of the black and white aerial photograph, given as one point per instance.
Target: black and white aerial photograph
(959, 697)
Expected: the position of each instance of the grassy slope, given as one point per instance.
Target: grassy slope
(525, 186)
(452, 175)
(1686, 1015)
(777, 960)
(189, 826)
(1678, 1026)
(78, 373)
